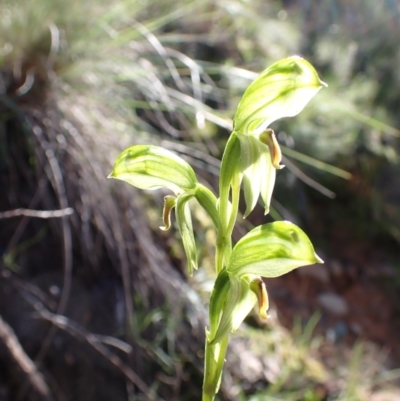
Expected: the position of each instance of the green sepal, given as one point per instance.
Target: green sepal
(152, 167)
(230, 167)
(268, 177)
(252, 175)
(258, 172)
(282, 90)
(272, 250)
(184, 221)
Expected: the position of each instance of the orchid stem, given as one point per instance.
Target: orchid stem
(213, 364)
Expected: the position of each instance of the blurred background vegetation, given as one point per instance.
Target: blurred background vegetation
(94, 301)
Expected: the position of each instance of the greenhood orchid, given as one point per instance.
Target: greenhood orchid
(270, 250)
(252, 156)
(152, 167)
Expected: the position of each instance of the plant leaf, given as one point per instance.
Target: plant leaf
(218, 301)
(272, 250)
(152, 167)
(282, 90)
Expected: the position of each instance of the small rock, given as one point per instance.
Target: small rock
(333, 303)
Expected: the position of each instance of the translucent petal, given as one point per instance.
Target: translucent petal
(250, 155)
(268, 176)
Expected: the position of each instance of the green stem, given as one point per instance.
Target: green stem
(235, 203)
(213, 365)
(223, 236)
(208, 201)
(229, 177)
(222, 244)
(224, 240)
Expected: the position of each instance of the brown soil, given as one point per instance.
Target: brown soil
(356, 295)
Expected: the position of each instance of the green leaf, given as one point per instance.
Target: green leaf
(272, 250)
(219, 297)
(184, 220)
(282, 90)
(152, 167)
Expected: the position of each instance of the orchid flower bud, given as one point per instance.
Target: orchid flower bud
(269, 250)
(282, 90)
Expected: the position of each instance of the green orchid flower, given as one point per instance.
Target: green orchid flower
(282, 90)
(252, 154)
(270, 250)
(152, 167)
